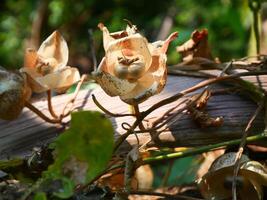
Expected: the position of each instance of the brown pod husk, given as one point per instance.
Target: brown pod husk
(13, 94)
(216, 184)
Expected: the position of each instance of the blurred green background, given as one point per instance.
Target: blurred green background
(26, 23)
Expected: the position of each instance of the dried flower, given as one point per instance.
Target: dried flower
(46, 68)
(132, 68)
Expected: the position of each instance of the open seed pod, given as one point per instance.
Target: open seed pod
(217, 183)
(132, 68)
(46, 68)
(13, 93)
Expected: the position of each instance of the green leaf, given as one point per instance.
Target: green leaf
(82, 151)
(67, 188)
(39, 196)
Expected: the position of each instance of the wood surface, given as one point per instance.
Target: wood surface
(18, 137)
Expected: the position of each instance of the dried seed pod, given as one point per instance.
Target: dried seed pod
(13, 93)
(46, 68)
(132, 68)
(217, 183)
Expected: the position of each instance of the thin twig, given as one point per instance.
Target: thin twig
(49, 103)
(108, 112)
(121, 139)
(137, 114)
(159, 120)
(40, 114)
(70, 103)
(241, 148)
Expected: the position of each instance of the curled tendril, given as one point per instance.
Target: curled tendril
(97, 103)
(126, 126)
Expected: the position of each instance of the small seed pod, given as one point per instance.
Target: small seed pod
(217, 183)
(13, 93)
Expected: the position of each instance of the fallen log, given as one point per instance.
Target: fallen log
(18, 137)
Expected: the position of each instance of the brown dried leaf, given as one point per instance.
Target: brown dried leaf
(201, 102)
(196, 110)
(203, 119)
(196, 46)
(115, 180)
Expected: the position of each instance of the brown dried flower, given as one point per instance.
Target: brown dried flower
(46, 68)
(132, 68)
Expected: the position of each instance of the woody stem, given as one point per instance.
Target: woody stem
(137, 114)
(70, 103)
(50, 107)
(40, 114)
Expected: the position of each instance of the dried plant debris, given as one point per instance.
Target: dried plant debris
(47, 68)
(196, 46)
(196, 109)
(132, 68)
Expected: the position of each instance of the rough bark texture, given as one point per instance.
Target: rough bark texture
(19, 136)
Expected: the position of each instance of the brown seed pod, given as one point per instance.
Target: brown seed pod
(13, 93)
(217, 183)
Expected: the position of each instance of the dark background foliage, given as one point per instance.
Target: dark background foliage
(26, 23)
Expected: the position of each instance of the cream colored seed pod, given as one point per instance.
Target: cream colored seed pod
(132, 68)
(47, 69)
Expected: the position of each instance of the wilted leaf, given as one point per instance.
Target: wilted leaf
(200, 102)
(83, 151)
(196, 46)
(196, 110)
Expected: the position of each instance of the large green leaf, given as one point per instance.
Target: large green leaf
(40, 196)
(82, 151)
